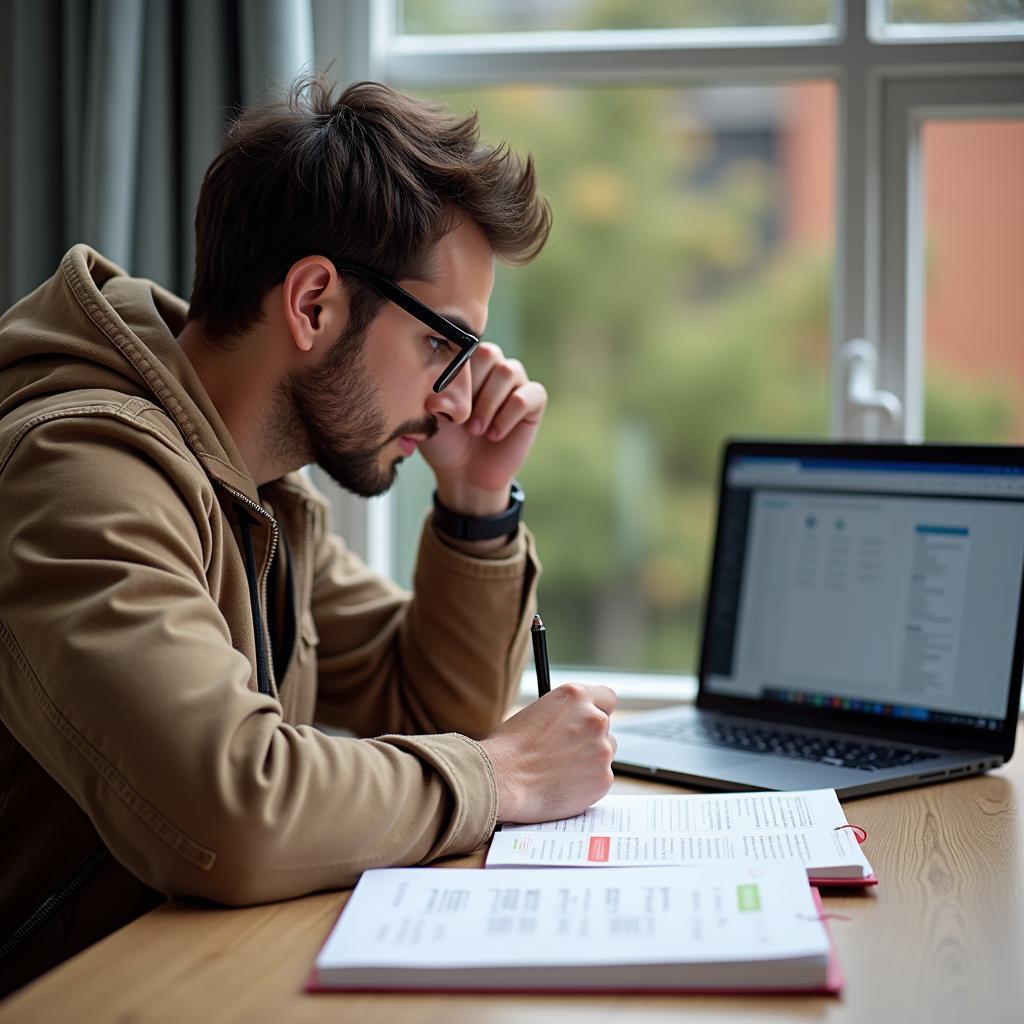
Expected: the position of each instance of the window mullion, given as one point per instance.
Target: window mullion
(855, 311)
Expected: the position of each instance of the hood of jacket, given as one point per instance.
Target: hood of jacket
(93, 330)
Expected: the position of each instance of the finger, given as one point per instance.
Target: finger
(604, 697)
(501, 381)
(483, 360)
(525, 405)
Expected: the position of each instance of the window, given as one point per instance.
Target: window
(741, 222)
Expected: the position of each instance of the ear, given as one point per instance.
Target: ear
(315, 306)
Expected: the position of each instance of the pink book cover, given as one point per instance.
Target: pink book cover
(825, 882)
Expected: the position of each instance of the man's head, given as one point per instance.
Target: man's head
(373, 178)
(367, 403)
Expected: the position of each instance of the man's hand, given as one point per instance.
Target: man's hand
(553, 759)
(475, 461)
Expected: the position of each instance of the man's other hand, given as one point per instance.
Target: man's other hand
(554, 758)
(475, 460)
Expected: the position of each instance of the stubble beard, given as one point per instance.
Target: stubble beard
(331, 415)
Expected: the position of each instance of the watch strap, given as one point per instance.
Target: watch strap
(460, 527)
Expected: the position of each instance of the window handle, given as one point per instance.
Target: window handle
(860, 361)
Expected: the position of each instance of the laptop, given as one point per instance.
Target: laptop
(863, 627)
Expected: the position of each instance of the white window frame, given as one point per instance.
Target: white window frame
(889, 78)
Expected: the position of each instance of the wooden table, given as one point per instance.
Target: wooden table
(941, 938)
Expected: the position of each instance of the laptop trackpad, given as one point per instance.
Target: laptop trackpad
(697, 760)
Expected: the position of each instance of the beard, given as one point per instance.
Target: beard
(331, 414)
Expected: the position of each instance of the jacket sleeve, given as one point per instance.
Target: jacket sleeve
(117, 673)
(447, 658)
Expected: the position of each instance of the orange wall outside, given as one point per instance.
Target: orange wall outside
(974, 202)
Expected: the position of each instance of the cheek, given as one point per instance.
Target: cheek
(402, 379)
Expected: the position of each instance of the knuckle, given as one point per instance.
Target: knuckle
(518, 402)
(505, 372)
(572, 691)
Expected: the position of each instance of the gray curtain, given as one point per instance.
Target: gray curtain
(110, 112)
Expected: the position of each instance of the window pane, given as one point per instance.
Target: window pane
(974, 313)
(683, 297)
(954, 12)
(427, 17)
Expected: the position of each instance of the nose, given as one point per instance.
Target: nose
(455, 402)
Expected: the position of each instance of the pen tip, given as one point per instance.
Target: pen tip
(537, 623)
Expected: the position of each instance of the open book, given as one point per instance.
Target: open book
(807, 828)
(716, 928)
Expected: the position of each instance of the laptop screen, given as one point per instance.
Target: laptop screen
(874, 586)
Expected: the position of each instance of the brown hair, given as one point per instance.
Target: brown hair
(372, 176)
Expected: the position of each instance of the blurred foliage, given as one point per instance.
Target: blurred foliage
(459, 16)
(984, 411)
(430, 17)
(954, 12)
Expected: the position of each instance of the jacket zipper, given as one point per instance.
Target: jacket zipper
(261, 511)
(54, 901)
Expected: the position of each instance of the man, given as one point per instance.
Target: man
(174, 612)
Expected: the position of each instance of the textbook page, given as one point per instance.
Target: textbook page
(804, 827)
(416, 927)
(714, 812)
(829, 854)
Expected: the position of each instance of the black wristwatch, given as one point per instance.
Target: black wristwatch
(460, 527)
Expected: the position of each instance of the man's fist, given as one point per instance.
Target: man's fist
(554, 758)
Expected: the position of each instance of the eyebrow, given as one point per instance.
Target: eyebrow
(463, 325)
(453, 318)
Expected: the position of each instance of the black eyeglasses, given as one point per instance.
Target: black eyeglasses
(466, 342)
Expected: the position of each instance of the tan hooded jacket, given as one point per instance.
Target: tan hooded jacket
(132, 658)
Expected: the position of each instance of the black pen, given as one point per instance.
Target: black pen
(540, 656)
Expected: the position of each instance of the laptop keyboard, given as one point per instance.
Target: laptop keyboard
(800, 746)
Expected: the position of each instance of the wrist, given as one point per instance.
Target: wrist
(508, 803)
(487, 524)
(469, 500)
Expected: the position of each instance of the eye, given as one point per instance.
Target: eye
(441, 346)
